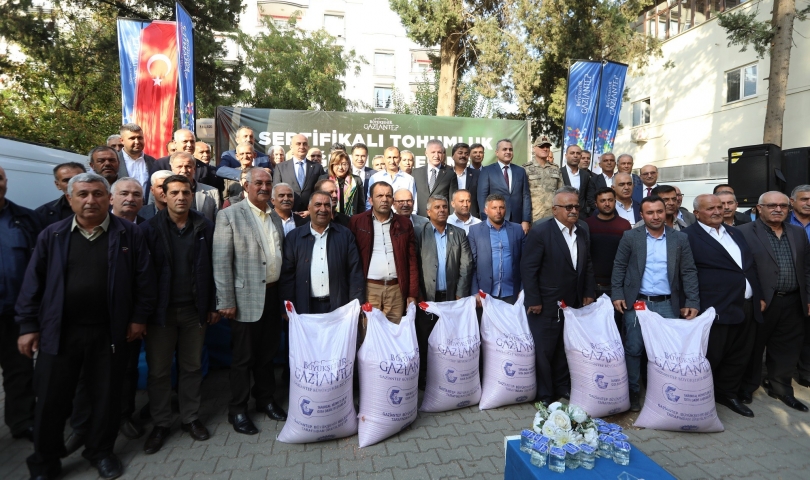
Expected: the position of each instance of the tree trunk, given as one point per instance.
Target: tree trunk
(448, 75)
(784, 13)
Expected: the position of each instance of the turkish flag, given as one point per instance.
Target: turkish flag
(157, 85)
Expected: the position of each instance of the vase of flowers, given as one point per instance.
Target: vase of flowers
(564, 424)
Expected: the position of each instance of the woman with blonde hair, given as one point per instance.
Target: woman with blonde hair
(351, 197)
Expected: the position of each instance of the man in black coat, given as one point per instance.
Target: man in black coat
(579, 178)
(321, 269)
(433, 178)
(59, 209)
(727, 281)
(782, 255)
(556, 266)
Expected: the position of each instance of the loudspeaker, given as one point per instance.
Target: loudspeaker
(796, 168)
(754, 170)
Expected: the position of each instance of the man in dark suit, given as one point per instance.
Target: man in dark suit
(185, 141)
(433, 178)
(321, 270)
(282, 213)
(59, 209)
(556, 267)
(445, 268)
(466, 178)
(626, 206)
(651, 265)
(739, 217)
(728, 281)
(132, 161)
(511, 182)
(245, 135)
(299, 173)
(607, 162)
(624, 164)
(782, 255)
(497, 247)
(579, 178)
(359, 168)
(329, 187)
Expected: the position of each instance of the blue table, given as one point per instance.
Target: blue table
(519, 467)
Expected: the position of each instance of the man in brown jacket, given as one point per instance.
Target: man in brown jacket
(387, 248)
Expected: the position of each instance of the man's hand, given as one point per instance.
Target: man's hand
(229, 313)
(304, 214)
(587, 301)
(28, 344)
(762, 306)
(689, 313)
(619, 305)
(409, 301)
(535, 309)
(526, 227)
(213, 318)
(478, 300)
(136, 331)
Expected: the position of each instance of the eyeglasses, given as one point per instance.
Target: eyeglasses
(569, 208)
(774, 206)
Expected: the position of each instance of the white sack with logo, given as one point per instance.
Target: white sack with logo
(508, 348)
(322, 351)
(680, 387)
(388, 366)
(454, 348)
(595, 354)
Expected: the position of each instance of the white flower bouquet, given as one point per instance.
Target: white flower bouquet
(565, 424)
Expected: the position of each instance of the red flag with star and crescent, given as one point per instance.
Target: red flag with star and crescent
(157, 86)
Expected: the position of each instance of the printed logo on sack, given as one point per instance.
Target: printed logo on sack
(689, 427)
(522, 399)
(516, 343)
(324, 372)
(684, 364)
(670, 391)
(507, 369)
(607, 352)
(449, 375)
(461, 347)
(404, 363)
(599, 380)
(305, 406)
(394, 398)
(463, 404)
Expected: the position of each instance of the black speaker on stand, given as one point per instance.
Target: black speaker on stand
(796, 168)
(754, 170)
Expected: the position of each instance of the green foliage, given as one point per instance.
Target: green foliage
(292, 69)
(744, 30)
(469, 103)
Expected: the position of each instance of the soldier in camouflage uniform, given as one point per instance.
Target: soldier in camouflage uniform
(544, 178)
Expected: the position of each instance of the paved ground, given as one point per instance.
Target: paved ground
(465, 443)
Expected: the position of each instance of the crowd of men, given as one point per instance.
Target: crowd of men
(140, 249)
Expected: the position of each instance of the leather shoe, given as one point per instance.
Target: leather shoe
(243, 424)
(155, 441)
(635, 401)
(196, 429)
(130, 429)
(109, 467)
(735, 406)
(566, 395)
(745, 397)
(273, 411)
(802, 381)
(789, 400)
(28, 433)
(74, 442)
(49, 476)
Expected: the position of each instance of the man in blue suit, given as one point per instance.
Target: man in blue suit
(509, 181)
(229, 157)
(497, 246)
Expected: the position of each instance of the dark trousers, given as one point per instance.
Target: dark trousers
(803, 368)
(553, 378)
(781, 336)
(319, 306)
(729, 352)
(82, 348)
(424, 327)
(254, 346)
(18, 378)
(183, 334)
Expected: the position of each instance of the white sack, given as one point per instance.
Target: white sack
(508, 348)
(595, 356)
(322, 351)
(454, 347)
(388, 366)
(680, 387)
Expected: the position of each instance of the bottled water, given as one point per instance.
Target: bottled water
(539, 454)
(619, 437)
(606, 447)
(526, 439)
(556, 459)
(621, 453)
(571, 456)
(587, 456)
(603, 429)
(614, 428)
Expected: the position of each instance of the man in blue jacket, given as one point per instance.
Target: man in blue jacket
(88, 289)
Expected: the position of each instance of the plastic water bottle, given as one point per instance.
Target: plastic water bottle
(606, 446)
(587, 456)
(571, 456)
(619, 437)
(526, 439)
(621, 453)
(556, 459)
(539, 454)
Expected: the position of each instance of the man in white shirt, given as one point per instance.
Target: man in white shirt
(403, 205)
(461, 217)
(649, 179)
(282, 199)
(579, 178)
(132, 161)
(392, 175)
(466, 178)
(626, 207)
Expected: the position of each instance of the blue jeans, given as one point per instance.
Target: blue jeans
(634, 342)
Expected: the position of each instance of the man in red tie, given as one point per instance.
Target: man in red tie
(649, 177)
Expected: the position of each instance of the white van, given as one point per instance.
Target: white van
(29, 168)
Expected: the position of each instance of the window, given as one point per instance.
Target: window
(384, 64)
(670, 17)
(741, 83)
(333, 24)
(382, 97)
(641, 112)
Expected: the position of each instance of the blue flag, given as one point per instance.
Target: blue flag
(129, 47)
(580, 104)
(185, 62)
(610, 104)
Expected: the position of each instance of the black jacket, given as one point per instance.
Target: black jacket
(587, 201)
(157, 232)
(54, 211)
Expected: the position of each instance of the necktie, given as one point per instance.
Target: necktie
(432, 180)
(506, 176)
(649, 190)
(299, 174)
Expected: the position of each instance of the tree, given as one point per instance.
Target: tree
(292, 69)
(469, 104)
(774, 38)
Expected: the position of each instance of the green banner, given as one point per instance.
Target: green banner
(377, 131)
